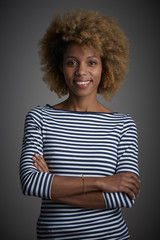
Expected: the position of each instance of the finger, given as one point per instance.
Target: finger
(134, 190)
(129, 175)
(134, 182)
(41, 163)
(132, 178)
(38, 167)
(40, 160)
(135, 186)
(135, 177)
(129, 185)
(129, 193)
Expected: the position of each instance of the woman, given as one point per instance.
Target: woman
(79, 156)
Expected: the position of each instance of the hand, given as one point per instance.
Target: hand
(127, 182)
(40, 163)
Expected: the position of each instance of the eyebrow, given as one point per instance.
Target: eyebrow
(87, 57)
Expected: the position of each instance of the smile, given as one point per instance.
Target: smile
(83, 83)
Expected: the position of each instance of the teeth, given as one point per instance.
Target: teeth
(81, 83)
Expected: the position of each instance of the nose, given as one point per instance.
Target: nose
(81, 70)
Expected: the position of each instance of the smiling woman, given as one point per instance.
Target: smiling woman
(91, 29)
(80, 157)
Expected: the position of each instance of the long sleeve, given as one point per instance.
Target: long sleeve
(127, 161)
(33, 182)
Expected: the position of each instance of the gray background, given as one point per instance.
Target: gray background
(23, 23)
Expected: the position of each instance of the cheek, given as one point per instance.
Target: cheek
(68, 73)
(98, 74)
(68, 76)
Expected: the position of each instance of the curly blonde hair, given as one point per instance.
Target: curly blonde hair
(94, 30)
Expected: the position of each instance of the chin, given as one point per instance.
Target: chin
(83, 93)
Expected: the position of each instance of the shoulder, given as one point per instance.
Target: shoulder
(125, 118)
(36, 114)
(38, 111)
(129, 121)
(129, 124)
(125, 122)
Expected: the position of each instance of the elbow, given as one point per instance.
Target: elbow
(24, 189)
(24, 192)
(26, 183)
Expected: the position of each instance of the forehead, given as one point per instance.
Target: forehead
(75, 49)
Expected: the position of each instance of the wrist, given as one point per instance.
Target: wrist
(98, 183)
(92, 184)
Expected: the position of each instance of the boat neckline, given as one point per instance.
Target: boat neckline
(87, 112)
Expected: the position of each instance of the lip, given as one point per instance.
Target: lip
(82, 83)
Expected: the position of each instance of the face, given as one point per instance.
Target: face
(82, 69)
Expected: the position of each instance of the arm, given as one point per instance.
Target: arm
(127, 162)
(67, 197)
(38, 182)
(91, 200)
(69, 190)
(95, 200)
(33, 182)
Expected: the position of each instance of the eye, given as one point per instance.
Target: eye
(92, 63)
(71, 63)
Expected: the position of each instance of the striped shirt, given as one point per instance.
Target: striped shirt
(72, 143)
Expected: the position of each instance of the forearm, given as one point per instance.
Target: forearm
(34, 183)
(120, 188)
(69, 186)
(98, 200)
(90, 200)
(118, 200)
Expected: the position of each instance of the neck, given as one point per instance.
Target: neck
(82, 104)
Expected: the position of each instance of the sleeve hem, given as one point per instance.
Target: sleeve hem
(50, 187)
(104, 199)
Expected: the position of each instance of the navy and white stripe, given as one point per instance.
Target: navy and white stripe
(72, 143)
